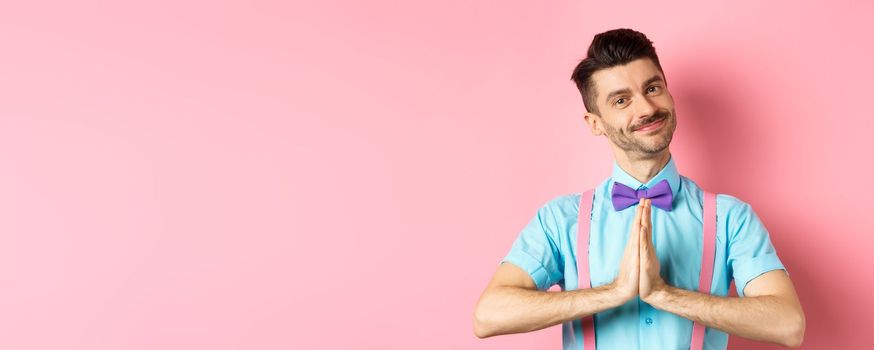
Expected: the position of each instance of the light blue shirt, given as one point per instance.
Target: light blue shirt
(546, 249)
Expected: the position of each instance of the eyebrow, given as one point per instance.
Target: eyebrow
(616, 92)
(651, 80)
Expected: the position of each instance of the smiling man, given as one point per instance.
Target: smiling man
(645, 259)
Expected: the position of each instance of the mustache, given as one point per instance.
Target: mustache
(657, 116)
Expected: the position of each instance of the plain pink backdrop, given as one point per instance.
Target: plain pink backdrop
(327, 175)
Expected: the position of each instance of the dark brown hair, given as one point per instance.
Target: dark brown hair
(609, 49)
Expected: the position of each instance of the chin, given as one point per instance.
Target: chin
(659, 145)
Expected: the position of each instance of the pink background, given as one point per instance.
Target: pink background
(265, 175)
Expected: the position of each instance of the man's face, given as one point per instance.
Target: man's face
(635, 109)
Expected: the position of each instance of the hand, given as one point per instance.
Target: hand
(627, 282)
(650, 279)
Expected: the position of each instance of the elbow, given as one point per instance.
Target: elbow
(482, 326)
(794, 336)
(481, 330)
(485, 322)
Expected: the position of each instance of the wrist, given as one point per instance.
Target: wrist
(618, 295)
(659, 292)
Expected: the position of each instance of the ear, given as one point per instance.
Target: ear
(594, 122)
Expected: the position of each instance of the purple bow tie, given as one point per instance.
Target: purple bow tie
(660, 194)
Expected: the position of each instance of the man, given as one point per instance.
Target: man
(644, 261)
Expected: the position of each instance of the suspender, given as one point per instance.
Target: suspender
(704, 282)
(706, 261)
(583, 226)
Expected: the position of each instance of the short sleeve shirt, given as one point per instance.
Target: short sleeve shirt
(546, 249)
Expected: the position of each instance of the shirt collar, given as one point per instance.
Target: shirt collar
(668, 172)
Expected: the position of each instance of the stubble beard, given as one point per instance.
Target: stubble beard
(628, 141)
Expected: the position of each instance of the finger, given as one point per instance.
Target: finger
(641, 236)
(638, 213)
(647, 218)
(641, 249)
(642, 213)
(634, 236)
(635, 224)
(636, 249)
(645, 227)
(648, 230)
(647, 215)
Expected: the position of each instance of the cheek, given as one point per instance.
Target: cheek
(618, 121)
(663, 102)
(667, 101)
(616, 129)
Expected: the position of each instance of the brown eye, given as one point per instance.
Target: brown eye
(652, 89)
(620, 101)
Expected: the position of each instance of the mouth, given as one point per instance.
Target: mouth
(651, 126)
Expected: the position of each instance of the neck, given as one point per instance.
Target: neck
(643, 167)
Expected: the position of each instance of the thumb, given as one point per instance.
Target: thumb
(634, 258)
(641, 253)
(637, 247)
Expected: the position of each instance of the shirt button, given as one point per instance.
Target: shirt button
(648, 321)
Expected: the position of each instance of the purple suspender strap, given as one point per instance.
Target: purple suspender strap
(704, 282)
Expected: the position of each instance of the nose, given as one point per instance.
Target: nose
(643, 108)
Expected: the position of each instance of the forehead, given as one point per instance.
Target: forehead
(628, 76)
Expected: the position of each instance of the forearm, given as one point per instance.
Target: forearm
(763, 318)
(506, 310)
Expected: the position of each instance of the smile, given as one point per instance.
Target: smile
(652, 126)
